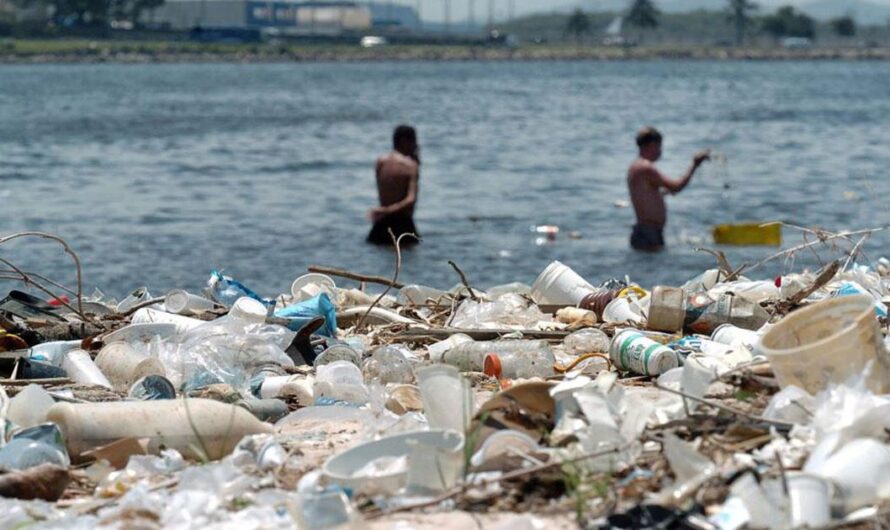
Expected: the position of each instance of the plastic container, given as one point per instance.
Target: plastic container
(560, 285)
(123, 365)
(185, 303)
(829, 341)
(81, 369)
(340, 381)
(620, 311)
(469, 356)
(29, 407)
(191, 426)
(587, 340)
(631, 351)
(147, 315)
(388, 364)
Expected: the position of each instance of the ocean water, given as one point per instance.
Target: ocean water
(157, 174)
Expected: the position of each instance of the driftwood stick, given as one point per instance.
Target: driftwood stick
(68, 250)
(331, 271)
(395, 277)
(27, 280)
(824, 277)
(463, 280)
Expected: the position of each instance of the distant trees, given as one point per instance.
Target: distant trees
(578, 24)
(844, 26)
(740, 17)
(643, 15)
(787, 22)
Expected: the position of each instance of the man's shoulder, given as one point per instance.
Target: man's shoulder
(640, 167)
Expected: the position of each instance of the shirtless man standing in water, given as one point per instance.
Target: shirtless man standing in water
(397, 175)
(648, 186)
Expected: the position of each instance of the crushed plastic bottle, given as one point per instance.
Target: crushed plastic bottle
(388, 364)
(588, 340)
(469, 357)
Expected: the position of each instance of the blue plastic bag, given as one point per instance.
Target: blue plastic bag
(318, 306)
(226, 290)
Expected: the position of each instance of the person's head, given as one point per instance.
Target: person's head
(649, 142)
(404, 140)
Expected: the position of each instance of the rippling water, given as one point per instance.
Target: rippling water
(157, 174)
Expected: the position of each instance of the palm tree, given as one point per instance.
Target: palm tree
(740, 17)
(578, 24)
(643, 14)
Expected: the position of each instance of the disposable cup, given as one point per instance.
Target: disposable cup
(810, 500)
(560, 285)
(246, 308)
(123, 365)
(828, 342)
(619, 312)
(185, 303)
(447, 403)
(81, 369)
(312, 284)
(148, 315)
(438, 466)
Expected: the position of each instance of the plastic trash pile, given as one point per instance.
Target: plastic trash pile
(720, 403)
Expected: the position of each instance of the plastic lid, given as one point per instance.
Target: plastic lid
(491, 366)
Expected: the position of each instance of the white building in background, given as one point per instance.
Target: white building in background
(287, 15)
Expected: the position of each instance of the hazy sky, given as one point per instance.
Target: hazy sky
(434, 9)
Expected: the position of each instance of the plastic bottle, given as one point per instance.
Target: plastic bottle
(518, 365)
(672, 309)
(388, 364)
(588, 340)
(191, 426)
(185, 303)
(469, 357)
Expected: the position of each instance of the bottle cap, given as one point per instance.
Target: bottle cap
(491, 366)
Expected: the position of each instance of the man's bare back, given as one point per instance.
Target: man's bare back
(646, 193)
(397, 175)
(396, 178)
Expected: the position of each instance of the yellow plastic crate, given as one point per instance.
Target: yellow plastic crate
(767, 234)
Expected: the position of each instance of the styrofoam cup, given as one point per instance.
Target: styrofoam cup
(81, 369)
(619, 312)
(123, 365)
(810, 500)
(829, 341)
(560, 285)
(446, 397)
(185, 303)
(312, 284)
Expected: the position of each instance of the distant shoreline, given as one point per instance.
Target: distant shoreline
(92, 52)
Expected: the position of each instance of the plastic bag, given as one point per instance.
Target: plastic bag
(305, 311)
(227, 290)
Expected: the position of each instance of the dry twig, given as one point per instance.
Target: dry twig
(463, 280)
(395, 278)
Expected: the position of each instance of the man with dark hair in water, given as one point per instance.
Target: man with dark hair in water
(397, 176)
(648, 186)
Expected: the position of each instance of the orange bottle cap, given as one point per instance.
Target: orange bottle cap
(491, 366)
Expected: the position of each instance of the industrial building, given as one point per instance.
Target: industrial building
(289, 16)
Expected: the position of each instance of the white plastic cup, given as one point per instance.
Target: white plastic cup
(148, 315)
(810, 500)
(560, 285)
(828, 342)
(123, 365)
(185, 303)
(53, 352)
(246, 308)
(81, 369)
(736, 336)
(311, 285)
(436, 467)
(447, 398)
(619, 312)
